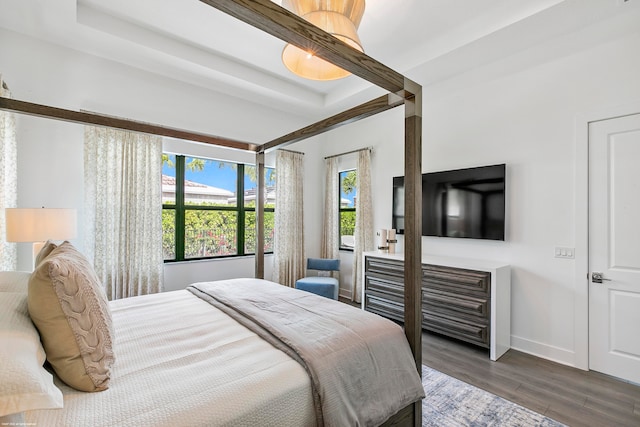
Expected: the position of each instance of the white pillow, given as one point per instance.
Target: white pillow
(24, 383)
(14, 281)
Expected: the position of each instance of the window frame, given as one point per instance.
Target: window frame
(180, 209)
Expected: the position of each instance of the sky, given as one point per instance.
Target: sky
(212, 175)
(225, 177)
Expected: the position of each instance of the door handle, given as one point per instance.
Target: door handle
(597, 277)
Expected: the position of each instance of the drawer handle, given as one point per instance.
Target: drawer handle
(476, 306)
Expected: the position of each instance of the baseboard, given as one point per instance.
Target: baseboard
(545, 351)
(345, 293)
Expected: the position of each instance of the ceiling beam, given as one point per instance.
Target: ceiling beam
(114, 122)
(378, 105)
(279, 22)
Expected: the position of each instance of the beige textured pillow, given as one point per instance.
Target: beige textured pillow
(45, 251)
(70, 309)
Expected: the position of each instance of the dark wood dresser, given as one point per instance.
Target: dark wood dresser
(465, 299)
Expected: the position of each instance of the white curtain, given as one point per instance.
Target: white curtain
(123, 208)
(330, 226)
(364, 221)
(8, 180)
(288, 251)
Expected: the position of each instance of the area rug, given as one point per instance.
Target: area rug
(454, 403)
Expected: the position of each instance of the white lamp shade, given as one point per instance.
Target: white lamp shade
(40, 224)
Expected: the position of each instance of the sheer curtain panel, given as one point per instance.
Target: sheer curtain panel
(8, 180)
(123, 200)
(364, 221)
(288, 251)
(330, 226)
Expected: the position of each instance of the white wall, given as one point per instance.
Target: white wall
(525, 118)
(50, 153)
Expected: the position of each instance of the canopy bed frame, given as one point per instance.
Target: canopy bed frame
(279, 22)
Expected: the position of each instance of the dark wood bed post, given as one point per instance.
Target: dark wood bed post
(260, 194)
(413, 228)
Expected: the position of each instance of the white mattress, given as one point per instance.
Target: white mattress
(181, 362)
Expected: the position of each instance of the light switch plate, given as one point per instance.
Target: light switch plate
(564, 252)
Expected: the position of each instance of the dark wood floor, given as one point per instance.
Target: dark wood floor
(571, 396)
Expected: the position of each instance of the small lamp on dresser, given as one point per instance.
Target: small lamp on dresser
(37, 225)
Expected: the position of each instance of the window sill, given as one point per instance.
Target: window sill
(225, 258)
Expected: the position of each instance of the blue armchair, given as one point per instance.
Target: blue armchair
(325, 286)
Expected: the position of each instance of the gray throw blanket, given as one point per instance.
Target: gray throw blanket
(361, 368)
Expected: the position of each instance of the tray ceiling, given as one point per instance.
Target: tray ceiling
(195, 43)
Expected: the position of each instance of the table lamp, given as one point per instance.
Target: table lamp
(39, 225)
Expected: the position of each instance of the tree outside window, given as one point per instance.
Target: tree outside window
(347, 208)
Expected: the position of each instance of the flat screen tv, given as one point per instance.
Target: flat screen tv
(465, 203)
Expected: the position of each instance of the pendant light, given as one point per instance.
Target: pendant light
(340, 18)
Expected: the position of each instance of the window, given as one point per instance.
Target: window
(347, 208)
(208, 208)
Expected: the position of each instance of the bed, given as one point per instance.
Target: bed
(271, 18)
(240, 352)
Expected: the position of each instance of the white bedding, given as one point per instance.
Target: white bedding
(181, 362)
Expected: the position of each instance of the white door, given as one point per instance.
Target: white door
(614, 247)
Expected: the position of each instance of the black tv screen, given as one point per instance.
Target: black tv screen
(465, 203)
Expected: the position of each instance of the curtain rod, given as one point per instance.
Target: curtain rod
(349, 152)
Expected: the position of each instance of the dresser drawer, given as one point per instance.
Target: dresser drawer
(473, 308)
(384, 286)
(387, 267)
(456, 328)
(384, 306)
(456, 280)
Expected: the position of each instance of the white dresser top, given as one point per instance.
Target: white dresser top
(467, 263)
